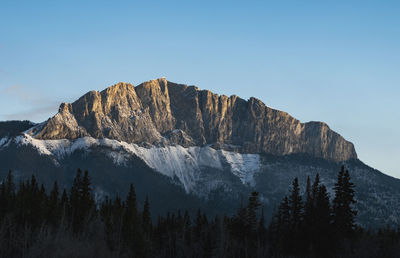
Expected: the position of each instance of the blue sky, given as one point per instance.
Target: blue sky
(331, 61)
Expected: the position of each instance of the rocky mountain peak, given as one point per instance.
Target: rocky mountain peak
(160, 112)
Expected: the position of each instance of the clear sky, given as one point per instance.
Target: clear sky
(332, 61)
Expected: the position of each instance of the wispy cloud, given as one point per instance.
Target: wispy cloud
(22, 93)
(34, 114)
(36, 105)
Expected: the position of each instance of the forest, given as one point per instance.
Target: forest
(39, 222)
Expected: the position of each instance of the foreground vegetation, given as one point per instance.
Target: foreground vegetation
(39, 223)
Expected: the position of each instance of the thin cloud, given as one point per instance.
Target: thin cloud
(37, 106)
(21, 93)
(34, 114)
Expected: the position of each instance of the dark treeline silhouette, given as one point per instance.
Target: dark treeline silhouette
(69, 223)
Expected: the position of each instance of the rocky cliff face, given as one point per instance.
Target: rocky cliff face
(160, 112)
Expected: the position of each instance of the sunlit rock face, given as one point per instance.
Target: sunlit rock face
(163, 113)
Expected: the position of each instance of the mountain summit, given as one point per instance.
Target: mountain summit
(162, 113)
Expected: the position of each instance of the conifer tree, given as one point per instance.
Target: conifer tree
(322, 229)
(252, 208)
(74, 196)
(116, 222)
(7, 195)
(187, 229)
(343, 212)
(283, 226)
(20, 202)
(315, 188)
(308, 200)
(130, 215)
(3, 201)
(64, 204)
(310, 208)
(10, 185)
(261, 229)
(296, 205)
(296, 218)
(131, 230)
(54, 211)
(198, 226)
(146, 218)
(87, 201)
(81, 200)
(34, 206)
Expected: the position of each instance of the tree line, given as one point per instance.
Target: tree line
(35, 222)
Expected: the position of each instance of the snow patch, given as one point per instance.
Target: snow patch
(4, 142)
(173, 161)
(243, 166)
(38, 144)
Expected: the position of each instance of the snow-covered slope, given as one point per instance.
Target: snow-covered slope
(178, 162)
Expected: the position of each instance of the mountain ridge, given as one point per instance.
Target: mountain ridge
(159, 112)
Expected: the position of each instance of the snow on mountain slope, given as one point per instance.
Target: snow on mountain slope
(243, 166)
(4, 142)
(173, 161)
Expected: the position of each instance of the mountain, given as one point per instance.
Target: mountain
(190, 148)
(159, 112)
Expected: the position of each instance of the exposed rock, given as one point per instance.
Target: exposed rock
(162, 112)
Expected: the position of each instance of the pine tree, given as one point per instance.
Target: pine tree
(217, 232)
(7, 195)
(343, 212)
(146, 218)
(187, 229)
(296, 205)
(131, 230)
(87, 202)
(43, 200)
(315, 188)
(3, 201)
(284, 214)
(74, 199)
(252, 208)
(117, 215)
(21, 203)
(283, 228)
(296, 218)
(261, 224)
(349, 191)
(308, 203)
(54, 211)
(130, 216)
(322, 230)
(35, 203)
(86, 198)
(261, 229)
(81, 201)
(309, 212)
(64, 204)
(198, 227)
(10, 185)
